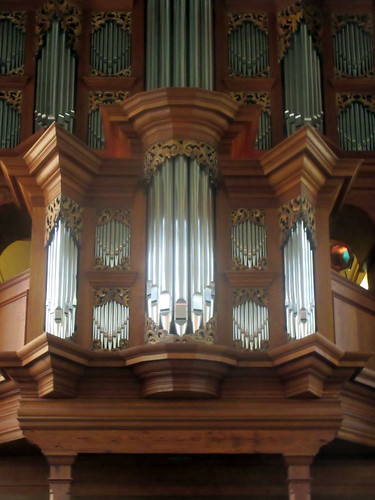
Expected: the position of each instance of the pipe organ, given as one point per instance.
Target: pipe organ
(179, 45)
(12, 35)
(356, 121)
(10, 113)
(248, 234)
(63, 226)
(180, 262)
(112, 239)
(110, 318)
(250, 319)
(297, 222)
(302, 83)
(58, 26)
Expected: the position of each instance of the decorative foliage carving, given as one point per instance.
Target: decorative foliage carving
(104, 295)
(69, 211)
(17, 18)
(260, 20)
(96, 99)
(68, 16)
(123, 266)
(288, 21)
(364, 21)
(97, 344)
(13, 98)
(241, 215)
(261, 98)
(292, 212)
(203, 153)
(343, 101)
(123, 72)
(258, 296)
(155, 335)
(121, 215)
(237, 265)
(123, 19)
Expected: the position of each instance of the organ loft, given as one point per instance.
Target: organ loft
(187, 249)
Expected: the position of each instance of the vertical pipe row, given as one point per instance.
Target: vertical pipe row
(55, 81)
(110, 49)
(12, 47)
(356, 128)
(248, 50)
(61, 284)
(180, 285)
(302, 83)
(110, 325)
(299, 283)
(112, 243)
(179, 48)
(10, 121)
(250, 325)
(249, 243)
(353, 51)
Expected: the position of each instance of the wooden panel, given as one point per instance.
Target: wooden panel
(13, 303)
(354, 310)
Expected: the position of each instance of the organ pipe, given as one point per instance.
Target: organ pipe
(55, 80)
(179, 50)
(110, 53)
(12, 48)
(247, 49)
(61, 287)
(248, 234)
(180, 267)
(10, 118)
(250, 319)
(302, 83)
(299, 283)
(112, 239)
(356, 127)
(110, 318)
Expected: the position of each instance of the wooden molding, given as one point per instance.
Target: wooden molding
(261, 279)
(179, 113)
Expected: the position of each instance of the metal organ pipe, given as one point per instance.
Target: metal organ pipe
(299, 283)
(61, 285)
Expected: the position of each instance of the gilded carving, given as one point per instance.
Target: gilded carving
(69, 211)
(343, 101)
(105, 215)
(104, 295)
(96, 99)
(17, 18)
(98, 346)
(292, 212)
(13, 98)
(288, 21)
(238, 266)
(123, 19)
(364, 21)
(203, 153)
(242, 215)
(256, 295)
(123, 266)
(262, 99)
(69, 17)
(155, 335)
(122, 72)
(260, 20)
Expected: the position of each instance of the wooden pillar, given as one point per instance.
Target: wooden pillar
(299, 478)
(60, 476)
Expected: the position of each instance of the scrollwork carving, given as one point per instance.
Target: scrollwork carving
(96, 99)
(123, 72)
(17, 18)
(155, 335)
(13, 98)
(237, 265)
(288, 21)
(123, 19)
(260, 98)
(260, 20)
(203, 153)
(343, 101)
(257, 295)
(69, 17)
(123, 266)
(364, 21)
(104, 295)
(241, 215)
(69, 211)
(105, 215)
(292, 212)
